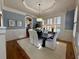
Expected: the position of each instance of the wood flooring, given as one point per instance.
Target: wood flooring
(70, 51)
(14, 51)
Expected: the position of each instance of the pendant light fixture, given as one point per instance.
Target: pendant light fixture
(39, 19)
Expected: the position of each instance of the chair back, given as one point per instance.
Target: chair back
(56, 36)
(33, 37)
(52, 44)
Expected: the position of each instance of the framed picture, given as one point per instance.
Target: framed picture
(12, 23)
(19, 23)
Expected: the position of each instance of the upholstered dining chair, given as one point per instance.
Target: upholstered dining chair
(34, 38)
(31, 36)
(52, 43)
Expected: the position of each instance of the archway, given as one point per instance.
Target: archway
(28, 24)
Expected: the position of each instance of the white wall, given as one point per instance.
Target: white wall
(12, 34)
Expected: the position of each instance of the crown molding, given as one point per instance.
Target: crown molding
(13, 10)
(17, 11)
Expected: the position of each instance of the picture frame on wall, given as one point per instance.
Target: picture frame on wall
(12, 23)
(19, 23)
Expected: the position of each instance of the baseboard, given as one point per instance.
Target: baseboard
(17, 39)
(64, 41)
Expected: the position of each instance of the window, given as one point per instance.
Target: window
(49, 24)
(43, 22)
(49, 21)
(74, 29)
(53, 23)
(57, 20)
(58, 29)
(49, 28)
(57, 24)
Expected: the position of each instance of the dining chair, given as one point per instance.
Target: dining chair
(34, 38)
(52, 43)
(31, 36)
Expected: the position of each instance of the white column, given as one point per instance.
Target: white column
(2, 43)
(1, 8)
(1, 19)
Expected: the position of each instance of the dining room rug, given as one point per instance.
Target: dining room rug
(43, 53)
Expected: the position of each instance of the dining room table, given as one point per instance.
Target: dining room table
(46, 36)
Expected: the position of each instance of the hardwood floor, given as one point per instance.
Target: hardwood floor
(70, 51)
(14, 51)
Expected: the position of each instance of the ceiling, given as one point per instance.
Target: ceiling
(44, 4)
(47, 7)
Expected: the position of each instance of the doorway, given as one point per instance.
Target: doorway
(28, 25)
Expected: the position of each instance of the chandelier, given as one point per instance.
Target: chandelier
(39, 19)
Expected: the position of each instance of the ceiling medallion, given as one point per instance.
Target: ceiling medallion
(29, 7)
(45, 5)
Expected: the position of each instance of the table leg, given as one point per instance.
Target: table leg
(43, 42)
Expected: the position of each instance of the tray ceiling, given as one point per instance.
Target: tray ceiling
(46, 6)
